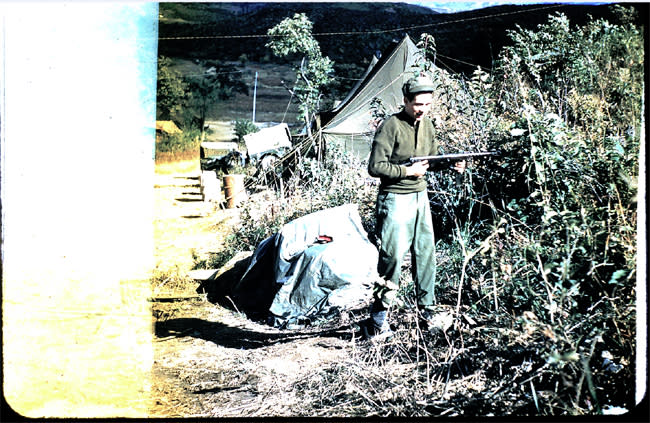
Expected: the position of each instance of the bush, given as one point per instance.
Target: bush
(566, 254)
(244, 127)
(547, 233)
(188, 140)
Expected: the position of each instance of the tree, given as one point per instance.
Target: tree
(170, 90)
(219, 82)
(293, 36)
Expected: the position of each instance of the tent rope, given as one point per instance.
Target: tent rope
(378, 31)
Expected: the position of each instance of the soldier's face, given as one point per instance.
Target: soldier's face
(419, 106)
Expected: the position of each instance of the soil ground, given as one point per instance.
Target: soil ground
(209, 360)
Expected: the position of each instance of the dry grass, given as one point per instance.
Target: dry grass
(213, 362)
(181, 162)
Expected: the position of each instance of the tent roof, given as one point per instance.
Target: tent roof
(354, 89)
(383, 81)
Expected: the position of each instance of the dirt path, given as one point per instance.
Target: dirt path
(208, 360)
(185, 225)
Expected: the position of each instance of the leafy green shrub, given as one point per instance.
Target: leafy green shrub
(591, 75)
(547, 232)
(293, 37)
(567, 255)
(170, 90)
(244, 127)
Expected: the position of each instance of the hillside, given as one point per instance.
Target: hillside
(350, 33)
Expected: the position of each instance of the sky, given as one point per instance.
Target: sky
(459, 6)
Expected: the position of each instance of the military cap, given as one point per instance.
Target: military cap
(418, 84)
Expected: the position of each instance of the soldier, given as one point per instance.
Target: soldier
(403, 211)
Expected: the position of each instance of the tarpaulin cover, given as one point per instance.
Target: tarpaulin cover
(313, 265)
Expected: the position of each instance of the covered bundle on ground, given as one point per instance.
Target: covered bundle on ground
(315, 264)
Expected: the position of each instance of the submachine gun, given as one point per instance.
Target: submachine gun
(449, 158)
(442, 161)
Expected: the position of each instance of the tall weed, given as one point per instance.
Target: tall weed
(547, 232)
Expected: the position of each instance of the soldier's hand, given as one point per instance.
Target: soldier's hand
(418, 168)
(460, 166)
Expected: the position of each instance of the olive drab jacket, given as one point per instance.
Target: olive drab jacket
(399, 138)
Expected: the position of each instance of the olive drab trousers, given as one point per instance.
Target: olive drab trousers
(403, 224)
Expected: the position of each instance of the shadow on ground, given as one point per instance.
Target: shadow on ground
(189, 200)
(252, 300)
(240, 338)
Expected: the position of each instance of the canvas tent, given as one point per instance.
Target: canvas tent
(351, 123)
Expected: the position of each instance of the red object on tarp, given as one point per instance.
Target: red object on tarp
(323, 239)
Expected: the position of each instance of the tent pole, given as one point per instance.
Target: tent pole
(320, 138)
